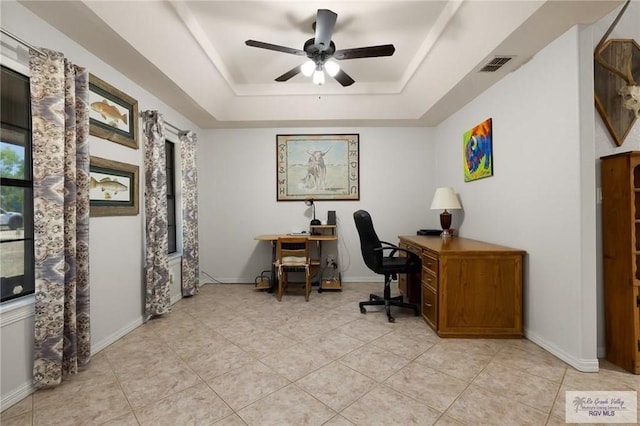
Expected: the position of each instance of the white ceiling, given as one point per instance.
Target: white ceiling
(192, 55)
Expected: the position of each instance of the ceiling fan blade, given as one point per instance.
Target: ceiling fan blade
(289, 74)
(277, 48)
(325, 22)
(344, 78)
(365, 52)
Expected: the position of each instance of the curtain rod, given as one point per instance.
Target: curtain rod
(166, 123)
(21, 41)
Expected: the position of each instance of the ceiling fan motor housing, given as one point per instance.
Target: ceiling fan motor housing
(316, 54)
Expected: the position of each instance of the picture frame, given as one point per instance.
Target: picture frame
(477, 151)
(114, 188)
(113, 115)
(318, 167)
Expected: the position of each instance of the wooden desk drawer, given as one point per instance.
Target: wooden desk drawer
(430, 306)
(430, 262)
(413, 249)
(430, 280)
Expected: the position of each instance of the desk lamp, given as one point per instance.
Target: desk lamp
(310, 203)
(445, 198)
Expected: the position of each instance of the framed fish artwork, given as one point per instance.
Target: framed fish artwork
(113, 188)
(113, 115)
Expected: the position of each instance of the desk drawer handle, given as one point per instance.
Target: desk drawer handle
(428, 305)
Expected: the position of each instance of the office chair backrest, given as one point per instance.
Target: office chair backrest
(369, 240)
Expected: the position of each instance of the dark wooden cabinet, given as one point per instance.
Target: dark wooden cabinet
(468, 288)
(621, 258)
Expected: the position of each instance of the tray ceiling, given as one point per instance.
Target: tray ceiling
(192, 55)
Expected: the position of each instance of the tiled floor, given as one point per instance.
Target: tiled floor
(235, 356)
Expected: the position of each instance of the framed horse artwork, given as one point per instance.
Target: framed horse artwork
(320, 167)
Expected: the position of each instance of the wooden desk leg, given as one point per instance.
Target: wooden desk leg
(273, 281)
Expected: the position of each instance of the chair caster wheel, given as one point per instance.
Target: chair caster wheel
(392, 319)
(319, 290)
(363, 310)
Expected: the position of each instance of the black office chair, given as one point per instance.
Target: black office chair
(389, 266)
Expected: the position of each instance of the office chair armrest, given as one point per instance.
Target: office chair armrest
(394, 249)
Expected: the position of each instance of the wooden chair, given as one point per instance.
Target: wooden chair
(293, 256)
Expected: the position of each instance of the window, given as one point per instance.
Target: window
(171, 195)
(16, 187)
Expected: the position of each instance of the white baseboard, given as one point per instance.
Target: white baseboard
(16, 395)
(113, 337)
(583, 365)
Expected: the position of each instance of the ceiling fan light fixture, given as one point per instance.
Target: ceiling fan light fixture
(307, 68)
(318, 76)
(332, 68)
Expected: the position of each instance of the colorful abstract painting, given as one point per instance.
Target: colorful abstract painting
(477, 152)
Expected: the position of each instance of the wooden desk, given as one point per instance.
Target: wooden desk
(318, 238)
(468, 288)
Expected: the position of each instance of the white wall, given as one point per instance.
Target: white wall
(626, 28)
(116, 259)
(539, 200)
(533, 201)
(237, 197)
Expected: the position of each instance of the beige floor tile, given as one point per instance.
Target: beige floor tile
(338, 420)
(94, 405)
(534, 391)
(197, 405)
(247, 384)
(403, 344)
(295, 362)
(287, 406)
(607, 378)
(218, 360)
(264, 343)
(190, 360)
(366, 330)
(24, 419)
(336, 385)
(128, 419)
(97, 372)
(150, 386)
(432, 387)
(543, 364)
(19, 408)
(200, 340)
(477, 406)
(232, 420)
(374, 362)
(445, 420)
(332, 344)
(461, 358)
(384, 406)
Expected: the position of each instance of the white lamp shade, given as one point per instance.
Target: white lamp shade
(318, 77)
(445, 199)
(308, 68)
(332, 68)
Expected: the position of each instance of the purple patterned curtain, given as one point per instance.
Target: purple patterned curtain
(190, 259)
(158, 290)
(60, 115)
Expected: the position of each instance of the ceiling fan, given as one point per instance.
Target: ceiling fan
(320, 49)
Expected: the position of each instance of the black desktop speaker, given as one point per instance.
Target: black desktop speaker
(331, 217)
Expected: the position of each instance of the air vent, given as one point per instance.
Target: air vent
(496, 63)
